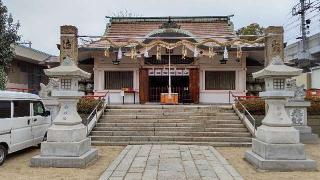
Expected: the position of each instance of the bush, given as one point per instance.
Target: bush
(314, 109)
(87, 105)
(256, 106)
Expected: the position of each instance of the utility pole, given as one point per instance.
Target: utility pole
(304, 56)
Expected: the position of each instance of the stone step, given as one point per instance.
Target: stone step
(170, 133)
(214, 144)
(170, 138)
(148, 124)
(148, 121)
(177, 107)
(148, 111)
(191, 129)
(225, 126)
(210, 122)
(211, 126)
(113, 116)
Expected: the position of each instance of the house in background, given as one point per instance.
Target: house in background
(26, 71)
(310, 79)
(208, 80)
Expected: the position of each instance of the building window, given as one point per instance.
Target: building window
(65, 83)
(118, 79)
(5, 109)
(38, 109)
(220, 80)
(21, 108)
(278, 84)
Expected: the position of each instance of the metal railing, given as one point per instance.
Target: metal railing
(93, 117)
(243, 112)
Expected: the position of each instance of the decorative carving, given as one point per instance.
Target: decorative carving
(45, 90)
(297, 116)
(299, 93)
(276, 47)
(66, 44)
(170, 25)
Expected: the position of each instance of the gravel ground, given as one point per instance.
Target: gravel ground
(17, 166)
(235, 158)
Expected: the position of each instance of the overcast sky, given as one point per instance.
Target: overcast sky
(40, 19)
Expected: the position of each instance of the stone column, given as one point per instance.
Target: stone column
(273, 43)
(69, 43)
(277, 145)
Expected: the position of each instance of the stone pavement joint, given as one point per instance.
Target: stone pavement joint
(170, 162)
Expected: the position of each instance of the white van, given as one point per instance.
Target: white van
(23, 122)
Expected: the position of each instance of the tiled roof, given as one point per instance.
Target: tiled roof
(140, 27)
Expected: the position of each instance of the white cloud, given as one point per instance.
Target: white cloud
(41, 19)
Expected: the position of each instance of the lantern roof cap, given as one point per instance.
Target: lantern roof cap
(277, 68)
(67, 68)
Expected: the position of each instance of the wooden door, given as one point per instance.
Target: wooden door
(194, 85)
(143, 85)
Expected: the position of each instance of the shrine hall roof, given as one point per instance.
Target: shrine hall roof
(141, 27)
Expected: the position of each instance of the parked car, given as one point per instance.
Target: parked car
(23, 122)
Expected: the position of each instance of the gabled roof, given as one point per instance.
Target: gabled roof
(29, 54)
(142, 27)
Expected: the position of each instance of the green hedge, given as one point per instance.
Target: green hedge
(256, 106)
(87, 105)
(314, 109)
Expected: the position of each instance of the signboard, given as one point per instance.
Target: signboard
(165, 72)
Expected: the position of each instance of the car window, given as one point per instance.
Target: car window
(38, 108)
(21, 108)
(5, 109)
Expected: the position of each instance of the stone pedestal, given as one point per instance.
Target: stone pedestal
(67, 147)
(277, 144)
(297, 111)
(67, 144)
(52, 105)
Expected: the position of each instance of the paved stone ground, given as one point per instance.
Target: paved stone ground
(172, 162)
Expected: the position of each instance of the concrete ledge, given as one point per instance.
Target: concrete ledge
(280, 165)
(74, 133)
(65, 162)
(309, 138)
(65, 149)
(278, 151)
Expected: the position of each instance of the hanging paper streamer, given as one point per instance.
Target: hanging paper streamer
(134, 53)
(195, 53)
(146, 53)
(158, 53)
(211, 53)
(119, 53)
(239, 53)
(184, 52)
(225, 54)
(107, 52)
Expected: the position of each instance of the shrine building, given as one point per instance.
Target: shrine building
(131, 59)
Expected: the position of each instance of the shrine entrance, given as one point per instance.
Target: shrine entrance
(159, 84)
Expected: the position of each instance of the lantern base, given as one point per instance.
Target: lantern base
(65, 162)
(278, 164)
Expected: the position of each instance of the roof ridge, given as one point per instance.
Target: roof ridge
(173, 18)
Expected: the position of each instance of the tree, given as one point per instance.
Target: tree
(8, 37)
(252, 29)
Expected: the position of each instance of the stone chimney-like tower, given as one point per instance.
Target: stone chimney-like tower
(69, 43)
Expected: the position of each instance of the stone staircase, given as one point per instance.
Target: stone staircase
(183, 124)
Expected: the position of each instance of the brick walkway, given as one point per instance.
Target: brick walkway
(172, 162)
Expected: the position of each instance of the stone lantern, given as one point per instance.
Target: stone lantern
(67, 143)
(277, 145)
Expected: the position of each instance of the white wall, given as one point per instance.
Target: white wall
(206, 96)
(315, 79)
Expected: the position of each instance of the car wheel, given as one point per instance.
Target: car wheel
(3, 154)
